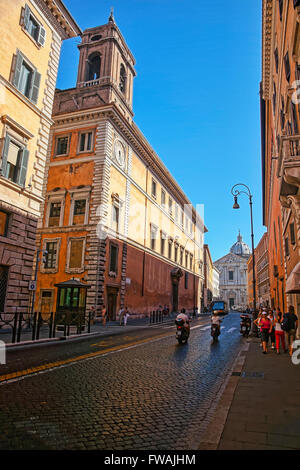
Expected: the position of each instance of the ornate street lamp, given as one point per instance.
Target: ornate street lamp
(237, 192)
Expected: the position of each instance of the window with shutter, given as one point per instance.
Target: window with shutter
(51, 248)
(14, 161)
(33, 27)
(4, 155)
(23, 167)
(76, 248)
(54, 214)
(26, 78)
(18, 60)
(42, 36)
(36, 80)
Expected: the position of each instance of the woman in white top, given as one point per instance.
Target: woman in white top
(279, 333)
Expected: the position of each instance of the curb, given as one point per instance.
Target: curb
(44, 341)
(47, 341)
(214, 429)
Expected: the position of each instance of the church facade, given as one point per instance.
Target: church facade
(114, 218)
(233, 275)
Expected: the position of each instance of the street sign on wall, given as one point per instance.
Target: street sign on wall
(32, 285)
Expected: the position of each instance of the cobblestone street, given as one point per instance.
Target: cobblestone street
(151, 396)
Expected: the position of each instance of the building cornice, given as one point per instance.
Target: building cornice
(268, 15)
(59, 17)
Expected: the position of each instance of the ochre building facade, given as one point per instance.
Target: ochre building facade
(280, 148)
(114, 217)
(32, 33)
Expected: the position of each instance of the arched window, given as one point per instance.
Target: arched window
(122, 84)
(93, 67)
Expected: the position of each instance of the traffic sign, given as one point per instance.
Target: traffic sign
(32, 285)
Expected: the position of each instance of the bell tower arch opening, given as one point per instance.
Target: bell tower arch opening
(122, 83)
(93, 65)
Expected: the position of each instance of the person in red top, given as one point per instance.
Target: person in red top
(265, 328)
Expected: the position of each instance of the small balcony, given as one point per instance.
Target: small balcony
(89, 83)
(289, 165)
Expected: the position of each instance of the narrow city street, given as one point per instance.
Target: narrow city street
(137, 391)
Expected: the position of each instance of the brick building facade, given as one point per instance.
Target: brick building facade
(114, 217)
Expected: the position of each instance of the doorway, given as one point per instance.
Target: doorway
(175, 297)
(231, 303)
(112, 297)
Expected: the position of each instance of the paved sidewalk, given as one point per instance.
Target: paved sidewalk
(260, 407)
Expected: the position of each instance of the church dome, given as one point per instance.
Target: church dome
(240, 248)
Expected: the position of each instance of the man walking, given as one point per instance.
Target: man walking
(123, 315)
(289, 326)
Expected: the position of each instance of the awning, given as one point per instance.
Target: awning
(293, 281)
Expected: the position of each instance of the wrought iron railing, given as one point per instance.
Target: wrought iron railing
(31, 326)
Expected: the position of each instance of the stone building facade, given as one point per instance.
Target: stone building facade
(114, 217)
(280, 148)
(32, 33)
(233, 275)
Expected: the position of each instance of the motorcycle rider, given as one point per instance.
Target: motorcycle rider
(182, 316)
(216, 320)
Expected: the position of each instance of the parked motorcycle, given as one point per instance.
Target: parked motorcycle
(182, 333)
(215, 331)
(245, 325)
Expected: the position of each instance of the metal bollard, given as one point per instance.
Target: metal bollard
(34, 326)
(38, 325)
(19, 327)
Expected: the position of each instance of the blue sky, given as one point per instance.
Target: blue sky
(196, 97)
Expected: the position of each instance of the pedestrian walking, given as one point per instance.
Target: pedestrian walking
(126, 315)
(272, 332)
(289, 325)
(279, 333)
(265, 328)
(104, 316)
(121, 315)
(257, 323)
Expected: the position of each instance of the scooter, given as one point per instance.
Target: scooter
(215, 331)
(245, 325)
(182, 333)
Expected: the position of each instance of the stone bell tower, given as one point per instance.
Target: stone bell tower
(106, 68)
